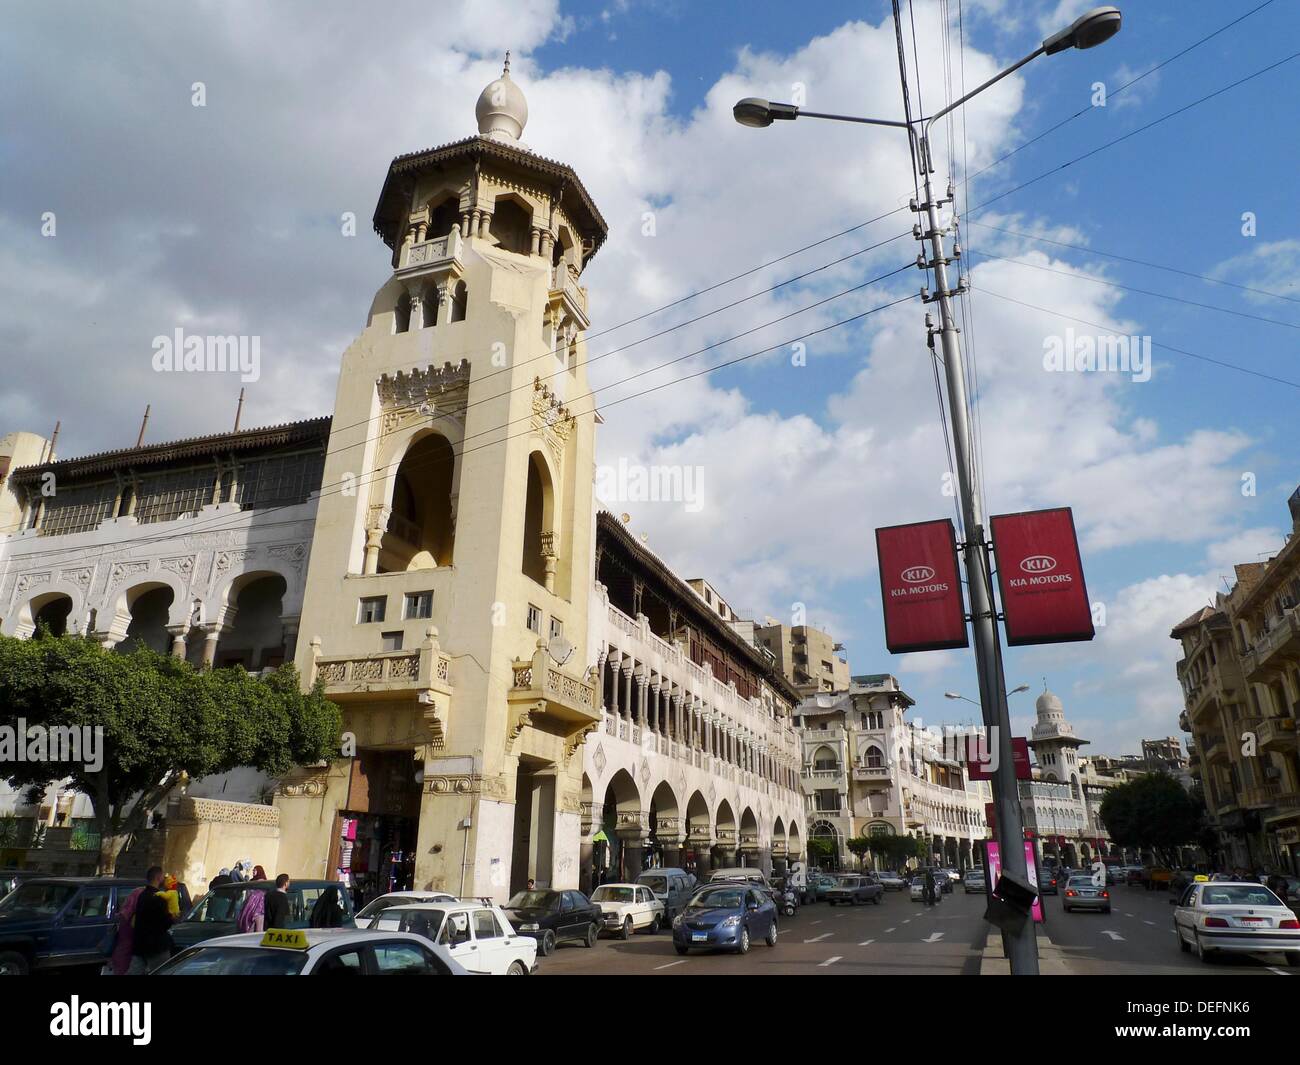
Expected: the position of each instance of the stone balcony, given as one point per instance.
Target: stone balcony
(871, 774)
(1275, 649)
(439, 256)
(572, 297)
(1216, 750)
(541, 690)
(1276, 734)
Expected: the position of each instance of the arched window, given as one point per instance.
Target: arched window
(825, 760)
(420, 533)
(538, 531)
(875, 758)
(511, 227)
(442, 217)
(402, 314)
(459, 302)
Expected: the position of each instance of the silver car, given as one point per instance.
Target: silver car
(1238, 918)
(1082, 892)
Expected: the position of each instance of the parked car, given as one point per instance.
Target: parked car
(672, 887)
(554, 917)
(378, 905)
(916, 889)
(1047, 883)
(217, 912)
(818, 885)
(1082, 892)
(11, 878)
(478, 935)
(973, 880)
(59, 921)
(1236, 918)
(855, 888)
(747, 873)
(890, 880)
(729, 914)
(628, 908)
(314, 952)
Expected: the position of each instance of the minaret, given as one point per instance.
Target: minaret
(1054, 743)
(454, 535)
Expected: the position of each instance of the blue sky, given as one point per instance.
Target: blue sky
(226, 216)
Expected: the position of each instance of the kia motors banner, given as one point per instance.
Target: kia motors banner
(920, 587)
(1040, 575)
(979, 758)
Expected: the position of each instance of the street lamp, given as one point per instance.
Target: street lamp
(958, 695)
(1087, 31)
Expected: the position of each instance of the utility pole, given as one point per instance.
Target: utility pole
(1019, 944)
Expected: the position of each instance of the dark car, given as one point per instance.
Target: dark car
(552, 917)
(59, 921)
(817, 886)
(1048, 883)
(855, 888)
(11, 878)
(312, 904)
(730, 915)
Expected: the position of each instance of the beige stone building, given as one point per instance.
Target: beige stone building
(1240, 674)
(810, 658)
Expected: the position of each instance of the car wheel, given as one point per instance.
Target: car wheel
(517, 968)
(654, 925)
(593, 934)
(680, 948)
(1199, 949)
(13, 964)
(876, 900)
(744, 942)
(546, 945)
(626, 931)
(1065, 909)
(771, 935)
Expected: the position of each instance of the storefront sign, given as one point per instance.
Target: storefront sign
(1040, 576)
(920, 587)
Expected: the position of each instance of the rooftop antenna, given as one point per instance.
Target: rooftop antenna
(140, 439)
(505, 70)
(239, 410)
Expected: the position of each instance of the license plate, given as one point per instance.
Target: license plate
(1251, 920)
(699, 937)
(1088, 894)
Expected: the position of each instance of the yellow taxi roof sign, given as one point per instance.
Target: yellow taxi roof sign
(286, 938)
(1201, 878)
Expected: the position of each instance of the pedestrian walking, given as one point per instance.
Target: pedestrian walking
(152, 943)
(277, 903)
(119, 958)
(252, 918)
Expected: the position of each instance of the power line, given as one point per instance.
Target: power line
(1080, 276)
(1137, 262)
(1154, 343)
(1116, 92)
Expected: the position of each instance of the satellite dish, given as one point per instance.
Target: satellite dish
(626, 517)
(559, 649)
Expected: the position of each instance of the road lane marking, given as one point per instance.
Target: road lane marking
(933, 938)
(830, 961)
(866, 942)
(1151, 923)
(1280, 972)
(1130, 915)
(815, 939)
(815, 922)
(908, 921)
(1113, 935)
(681, 961)
(887, 930)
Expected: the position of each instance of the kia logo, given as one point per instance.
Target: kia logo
(918, 574)
(1038, 564)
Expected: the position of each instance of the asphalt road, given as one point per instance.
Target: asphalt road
(1137, 937)
(896, 937)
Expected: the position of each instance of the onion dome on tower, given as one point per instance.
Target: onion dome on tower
(502, 111)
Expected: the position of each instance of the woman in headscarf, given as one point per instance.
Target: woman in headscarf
(259, 873)
(328, 911)
(120, 958)
(252, 916)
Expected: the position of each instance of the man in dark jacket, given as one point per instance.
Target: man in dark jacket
(152, 944)
(277, 904)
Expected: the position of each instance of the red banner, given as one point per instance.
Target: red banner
(920, 587)
(977, 769)
(1040, 575)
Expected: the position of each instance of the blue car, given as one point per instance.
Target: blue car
(727, 916)
(59, 921)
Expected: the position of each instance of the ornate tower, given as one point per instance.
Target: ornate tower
(451, 563)
(1054, 743)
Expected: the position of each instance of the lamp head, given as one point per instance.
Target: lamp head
(756, 113)
(1087, 31)
(951, 695)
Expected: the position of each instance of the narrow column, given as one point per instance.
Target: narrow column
(178, 634)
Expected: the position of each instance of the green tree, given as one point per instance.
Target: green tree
(1153, 813)
(158, 719)
(859, 846)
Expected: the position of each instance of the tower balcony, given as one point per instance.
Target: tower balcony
(566, 291)
(543, 693)
(438, 256)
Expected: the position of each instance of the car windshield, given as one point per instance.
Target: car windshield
(655, 883)
(1239, 895)
(613, 894)
(222, 904)
(235, 961)
(1081, 881)
(535, 900)
(850, 881)
(717, 898)
(36, 900)
(377, 906)
(971, 874)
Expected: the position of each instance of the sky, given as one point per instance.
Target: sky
(127, 211)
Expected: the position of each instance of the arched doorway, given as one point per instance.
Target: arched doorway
(663, 847)
(50, 614)
(699, 838)
(255, 639)
(621, 823)
(724, 852)
(150, 607)
(824, 846)
(420, 533)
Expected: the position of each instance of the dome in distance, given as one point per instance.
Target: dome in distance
(1048, 704)
(502, 111)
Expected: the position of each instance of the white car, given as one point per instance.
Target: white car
(628, 908)
(1238, 918)
(892, 881)
(313, 952)
(475, 934)
(380, 903)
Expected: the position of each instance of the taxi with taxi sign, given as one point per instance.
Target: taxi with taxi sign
(314, 952)
(477, 934)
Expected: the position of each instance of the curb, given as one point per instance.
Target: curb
(1051, 959)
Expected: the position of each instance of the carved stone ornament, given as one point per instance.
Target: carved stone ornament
(425, 393)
